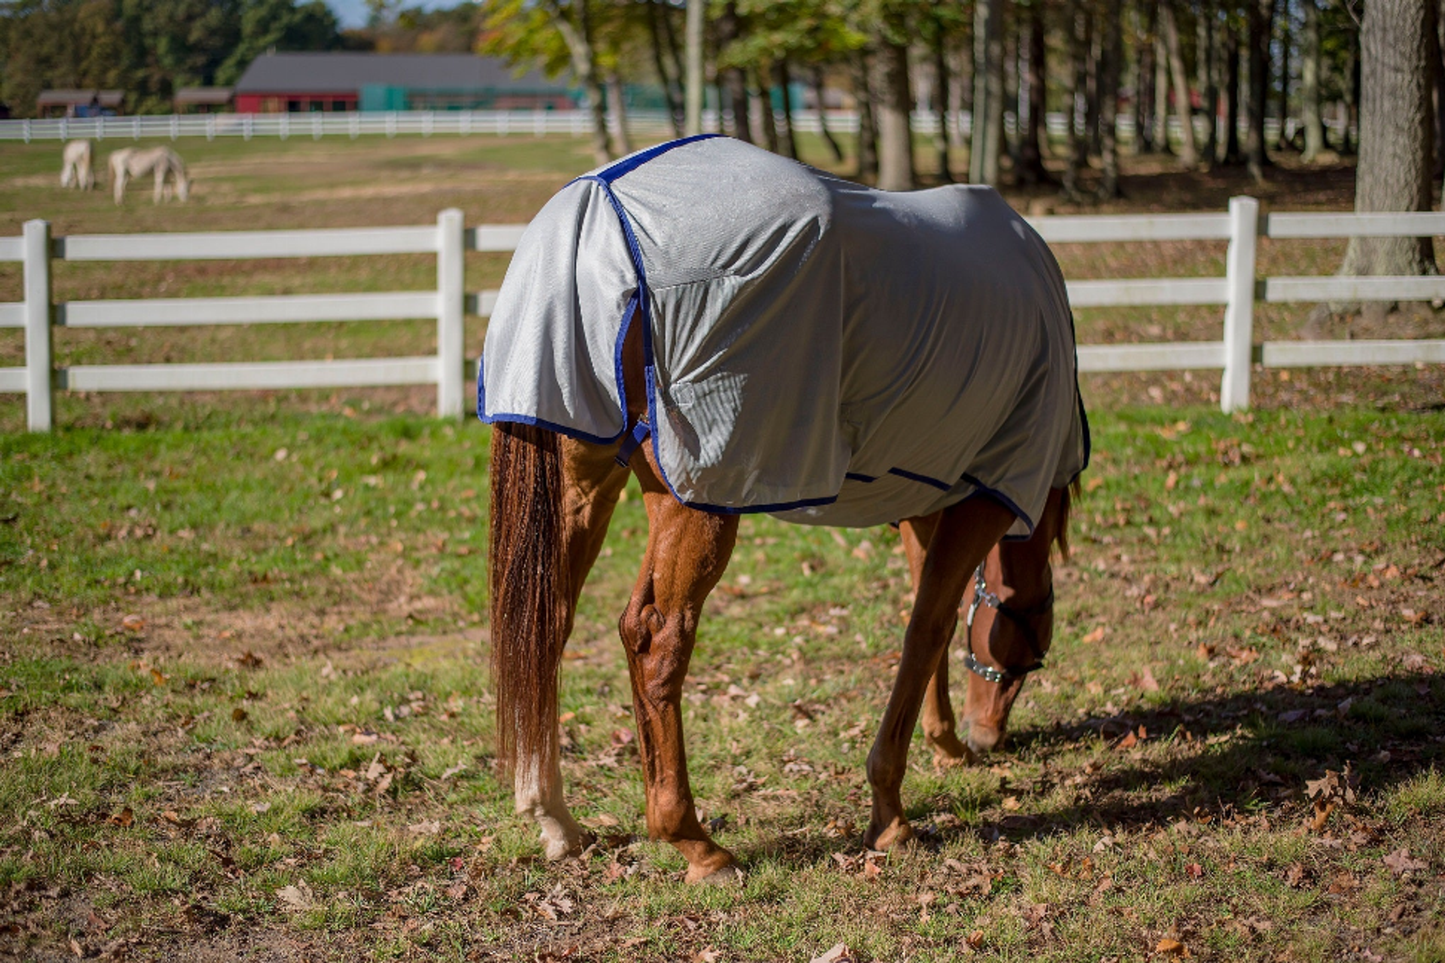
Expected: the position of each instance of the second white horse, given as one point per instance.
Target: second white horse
(76, 169)
(133, 162)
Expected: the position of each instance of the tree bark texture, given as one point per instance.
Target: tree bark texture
(1209, 76)
(1309, 82)
(696, 17)
(618, 97)
(1232, 153)
(1261, 20)
(733, 81)
(1281, 141)
(1160, 57)
(987, 139)
(1109, 74)
(578, 38)
(895, 101)
(1183, 106)
(828, 137)
(786, 140)
(1396, 133)
(1076, 14)
(941, 95)
(1030, 167)
(659, 61)
(867, 122)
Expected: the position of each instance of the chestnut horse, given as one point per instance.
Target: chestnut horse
(554, 489)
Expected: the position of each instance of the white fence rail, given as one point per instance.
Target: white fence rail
(536, 123)
(449, 239)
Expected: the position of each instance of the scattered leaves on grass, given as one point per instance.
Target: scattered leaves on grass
(1172, 947)
(123, 819)
(1399, 862)
(295, 898)
(838, 953)
(132, 623)
(1331, 791)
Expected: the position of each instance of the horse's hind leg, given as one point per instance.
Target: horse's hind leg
(687, 551)
(940, 727)
(592, 483)
(964, 534)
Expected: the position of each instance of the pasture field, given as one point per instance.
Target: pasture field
(244, 712)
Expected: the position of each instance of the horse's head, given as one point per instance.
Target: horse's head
(1010, 623)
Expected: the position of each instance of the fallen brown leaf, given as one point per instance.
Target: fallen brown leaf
(1399, 862)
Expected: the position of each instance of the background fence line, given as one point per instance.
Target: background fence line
(1235, 353)
(536, 123)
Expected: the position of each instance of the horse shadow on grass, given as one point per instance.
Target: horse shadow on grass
(1242, 752)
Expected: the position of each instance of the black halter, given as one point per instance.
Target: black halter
(1019, 617)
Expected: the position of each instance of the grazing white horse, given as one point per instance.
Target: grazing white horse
(76, 170)
(130, 162)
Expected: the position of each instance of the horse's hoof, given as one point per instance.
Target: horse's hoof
(560, 848)
(949, 751)
(896, 833)
(726, 875)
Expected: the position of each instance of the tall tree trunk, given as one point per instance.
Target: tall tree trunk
(696, 15)
(1077, 13)
(828, 137)
(1281, 141)
(941, 93)
(1352, 96)
(1261, 21)
(1396, 135)
(895, 101)
(1438, 58)
(867, 121)
(1232, 153)
(1012, 86)
(1091, 96)
(659, 62)
(734, 81)
(578, 38)
(1183, 106)
(1030, 169)
(618, 97)
(1205, 73)
(1309, 82)
(987, 139)
(1109, 101)
(1145, 78)
(786, 140)
(768, 120)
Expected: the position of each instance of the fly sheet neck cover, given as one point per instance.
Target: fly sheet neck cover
(818, 350)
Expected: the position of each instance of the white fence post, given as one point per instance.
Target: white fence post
(451, 338)
(39, 378)
(1239, 315)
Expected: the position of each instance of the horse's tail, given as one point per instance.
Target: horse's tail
(528, 590)
(1066, 500)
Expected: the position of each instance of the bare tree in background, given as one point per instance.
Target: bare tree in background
(987, 139)
(1396, 135)
(1183, 107)
(1109, 73)
(696, 15)
(1309, 81)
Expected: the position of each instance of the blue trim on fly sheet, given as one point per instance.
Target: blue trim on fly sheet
(610, 174)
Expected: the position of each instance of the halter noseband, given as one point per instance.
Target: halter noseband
(1019, 617)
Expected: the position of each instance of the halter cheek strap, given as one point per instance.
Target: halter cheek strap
(1021, 618)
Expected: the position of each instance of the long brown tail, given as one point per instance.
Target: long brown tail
(528, 586)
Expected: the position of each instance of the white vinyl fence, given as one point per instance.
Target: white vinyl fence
(537, 123)
(1234, 353)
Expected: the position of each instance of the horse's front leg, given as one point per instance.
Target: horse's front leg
(592, 483)
(961, 540)
(940, 726)
(160, 184)
(687, 551)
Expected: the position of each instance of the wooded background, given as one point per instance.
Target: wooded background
(1212, 82)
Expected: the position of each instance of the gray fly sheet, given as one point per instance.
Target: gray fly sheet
(815, 349)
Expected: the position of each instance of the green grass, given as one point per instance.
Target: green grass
(243, 710)
(281, 718)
